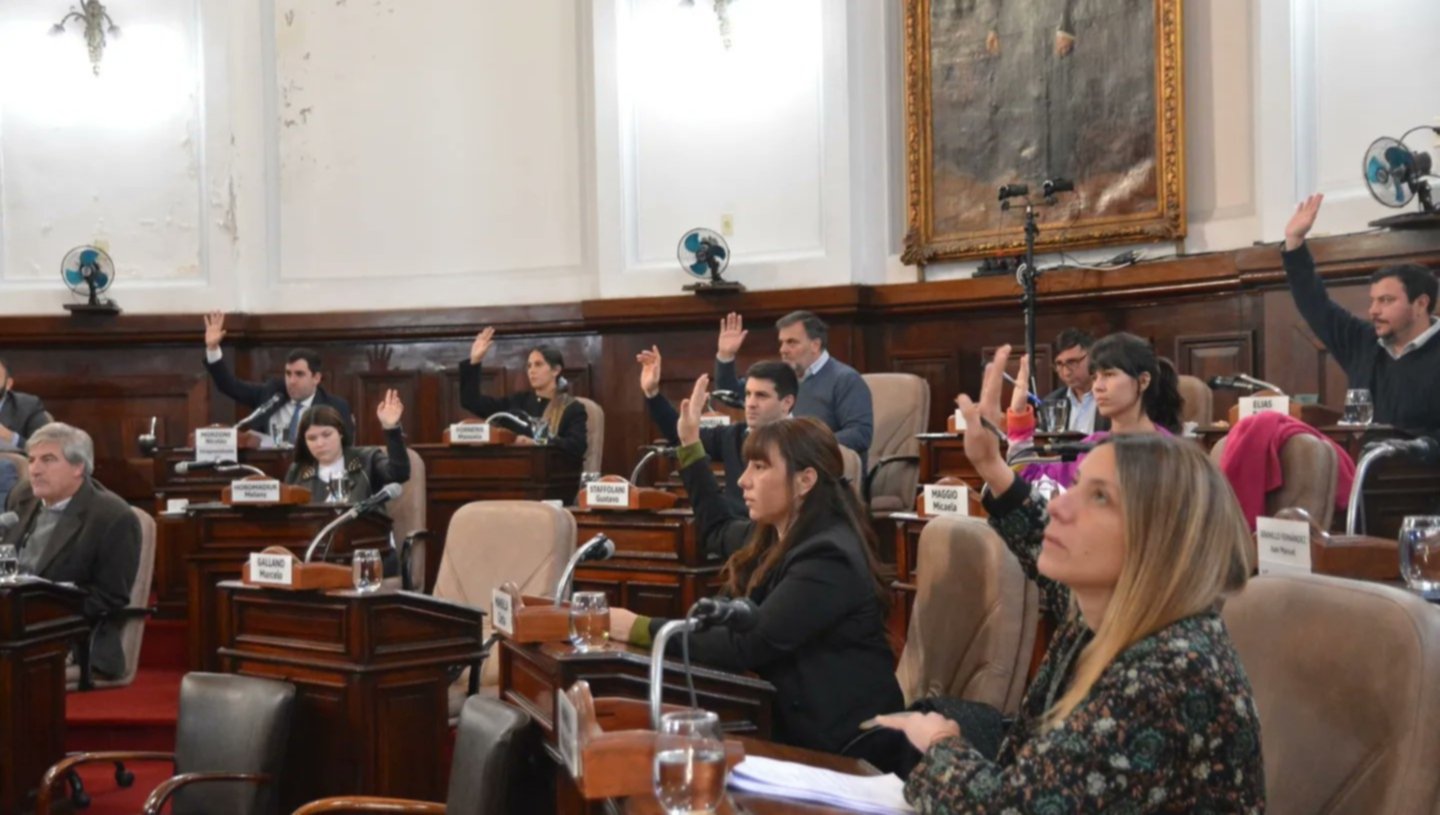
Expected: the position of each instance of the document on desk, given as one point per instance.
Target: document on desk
(878, 794)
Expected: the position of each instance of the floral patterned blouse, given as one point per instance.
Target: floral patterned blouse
(1169, 727)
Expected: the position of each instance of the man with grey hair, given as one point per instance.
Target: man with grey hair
(830, 390)
(73, 530)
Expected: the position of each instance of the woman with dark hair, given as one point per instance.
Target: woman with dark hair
(805, 558)
(336, 472)
(1136, 390)
(552, 415)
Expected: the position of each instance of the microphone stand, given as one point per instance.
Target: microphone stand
(324, 534)
(250, 468)
(657, 661)
(650, 452)
(1027, 274)
(562, 586)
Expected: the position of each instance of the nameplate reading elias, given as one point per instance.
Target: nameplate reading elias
(714, 420)
(216, 444)
(944, 499)
(272, 570)
(266, 491)
(502, 612)
(470, 433)
(1251, 405)
(608, 493)
(1284, 546)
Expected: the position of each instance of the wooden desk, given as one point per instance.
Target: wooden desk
(371, 673)
(224, 538)
(943, 454)
(39, 622)
(455, 475)
(658, 569)
(204, 486)
(1394, 488)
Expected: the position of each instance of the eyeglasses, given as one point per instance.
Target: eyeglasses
(1070, 364)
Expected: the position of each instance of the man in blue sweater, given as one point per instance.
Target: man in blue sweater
(830, 390)
(1396, 353)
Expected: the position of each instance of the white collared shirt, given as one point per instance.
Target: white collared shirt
(280, 420)
(1082, 411)
(58, 506)
(1414, 344)
(816, 365)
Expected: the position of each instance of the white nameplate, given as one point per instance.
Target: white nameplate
(469, 433)
(1284, 546)
(1251, 405)
(959, 421)
(273, 570)
(608, 494)
(714, 420)
(945, 499)
(502, 612)
(176, 506)
(567, 734)
(216, 444)
(265, 491)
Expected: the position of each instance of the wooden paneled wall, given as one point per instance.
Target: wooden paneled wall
(1211, 314)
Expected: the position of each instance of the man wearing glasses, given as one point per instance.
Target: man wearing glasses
(1072, 367)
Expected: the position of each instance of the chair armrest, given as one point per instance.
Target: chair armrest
(56, 774)
(167, 788)
(368, 803)
(419, 538)
(870, 476)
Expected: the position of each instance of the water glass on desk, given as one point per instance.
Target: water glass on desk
(1359, 409)
(689, 762)
(1420, 554)
(9, 563)
(367, 570)
(589, 620)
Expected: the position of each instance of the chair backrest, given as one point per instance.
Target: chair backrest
(1309, 471)
(231, 723)
(1198, 400)
(132, 634)
(851, 461)
(594, 434)
(491, 542)
(489, 746)
(1346, 676)
(902, 406)
(22, 467)
(974, 622)
(408, 514)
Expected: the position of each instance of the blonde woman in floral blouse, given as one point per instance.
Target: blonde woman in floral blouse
(1141, 704)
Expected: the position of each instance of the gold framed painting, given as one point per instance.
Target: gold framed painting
(1021, 91)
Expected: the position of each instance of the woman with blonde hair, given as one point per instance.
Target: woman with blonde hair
(1141, 703)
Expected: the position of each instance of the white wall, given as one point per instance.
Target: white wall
(289, 155)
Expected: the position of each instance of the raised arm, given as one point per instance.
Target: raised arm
(246, 393)
(470, 396)
(394, 466)
(732, 335)
(1336, 327)
(719, 526)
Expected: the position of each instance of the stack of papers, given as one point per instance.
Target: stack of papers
(878, 794)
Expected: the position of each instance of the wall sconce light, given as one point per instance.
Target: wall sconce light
(722, 11)
(97, 24)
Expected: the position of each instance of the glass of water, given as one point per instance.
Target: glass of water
(1420, 554)
(689, 762)
(367, 569)
(9, 563)
(589, 620)
(1055, 415)
(1359, 409)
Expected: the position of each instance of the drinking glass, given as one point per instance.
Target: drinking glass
(589, 620)
(9, 563)
(367, 569)
(1420, 554)
(689, 762)
(1055, 416)
(1359, 409)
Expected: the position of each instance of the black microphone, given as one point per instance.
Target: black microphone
(8, 520)
(599, 547)
(374, 502)
(194, 466)
(739, 614)
(1422, 448)
(1013, 190)
(265, 406)
(1231, 383)
(1064, 450)
(1054, 185)
(729, 398)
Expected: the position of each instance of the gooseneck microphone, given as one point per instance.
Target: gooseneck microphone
(8, 520)
(651, 451)
(599, 547)
(196, 466)
(265, 407)
(1425, 449)
(732, 399)
(1230, 383)
(387, 493)
(738, 614)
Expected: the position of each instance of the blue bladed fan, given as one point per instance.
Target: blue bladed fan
(704, 254)
(1396, 175)
(88, 270)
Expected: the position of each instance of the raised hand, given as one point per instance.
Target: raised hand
(1302, 221)
(732, 335)
(1022, 386)
(649, 371)
(687, 427)
(390, 410)
(214, 329)
(481, 346)
(982, 446)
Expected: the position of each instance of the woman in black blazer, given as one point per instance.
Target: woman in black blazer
(336, 472)
(560, 419)
(805, 557)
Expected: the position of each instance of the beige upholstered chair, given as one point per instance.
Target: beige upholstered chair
(132, 617)
(1346, 677)
(902, 405)
(1309, 467)
(1199, 401)
(594, 434)
(408, 514)
(851, 460)
(492, 542)
(973, 628)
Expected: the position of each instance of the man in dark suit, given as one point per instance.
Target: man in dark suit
(73, 530)
(21, 414)
(300, 389)
(1072, 368)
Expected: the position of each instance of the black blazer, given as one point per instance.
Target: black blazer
(23, 413)
(96, 546)
(725, 443)
(255, 394)
(821, 640)
(1101, 423)
(367, 470)
(573, 435)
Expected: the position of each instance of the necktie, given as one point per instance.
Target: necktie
(294, 423)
